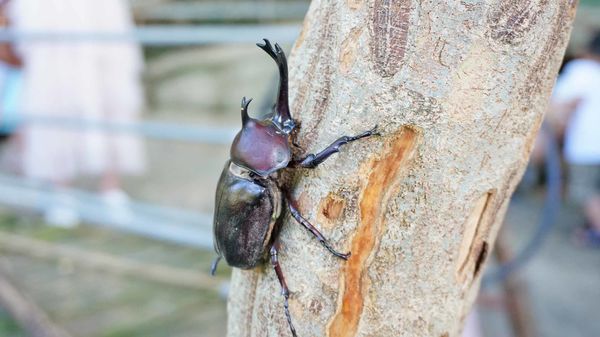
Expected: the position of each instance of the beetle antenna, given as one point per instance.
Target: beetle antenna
(245, 103)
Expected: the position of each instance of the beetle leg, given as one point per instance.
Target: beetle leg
(315, 232)
(284, 288)
(215, 263)
(312, 160)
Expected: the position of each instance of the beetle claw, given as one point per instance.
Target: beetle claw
(336, 253)
(344, 256)
(374, 131)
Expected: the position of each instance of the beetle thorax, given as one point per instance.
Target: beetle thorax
(261, 147)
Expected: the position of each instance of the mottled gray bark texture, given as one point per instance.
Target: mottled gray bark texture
(459, 89)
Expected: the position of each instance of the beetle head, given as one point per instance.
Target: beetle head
(262, 146)
(284, 123)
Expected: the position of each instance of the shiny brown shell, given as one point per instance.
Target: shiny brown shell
(246, 210)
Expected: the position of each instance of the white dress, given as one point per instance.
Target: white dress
(581, 80)
(90, 80)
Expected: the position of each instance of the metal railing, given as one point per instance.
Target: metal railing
(223, 11)
(166, 35)
(165, 223)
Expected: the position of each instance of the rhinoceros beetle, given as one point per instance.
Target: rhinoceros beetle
(250, 199)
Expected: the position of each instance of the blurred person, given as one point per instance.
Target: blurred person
(10, 79)
(576, 98)
(10, 90)
(91, 81)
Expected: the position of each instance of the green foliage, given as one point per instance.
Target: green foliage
(8, 327)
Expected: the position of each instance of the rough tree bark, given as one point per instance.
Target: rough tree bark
(458, 89)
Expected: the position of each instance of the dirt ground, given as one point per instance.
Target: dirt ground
(93, 302)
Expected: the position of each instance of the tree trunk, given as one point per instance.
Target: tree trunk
(458, 90)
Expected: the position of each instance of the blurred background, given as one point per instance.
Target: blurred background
(115, 122)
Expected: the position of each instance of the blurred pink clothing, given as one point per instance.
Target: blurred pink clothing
(95, 81)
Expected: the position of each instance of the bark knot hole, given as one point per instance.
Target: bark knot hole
(483, 252)
(474, 248)
(332, 207)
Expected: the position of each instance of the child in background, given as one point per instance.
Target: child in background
(577, 94)
(91, 81)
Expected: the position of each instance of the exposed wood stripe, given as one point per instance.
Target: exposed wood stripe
(372, 205)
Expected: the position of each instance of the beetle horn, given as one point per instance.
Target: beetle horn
(281, 110)
(245, 103)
